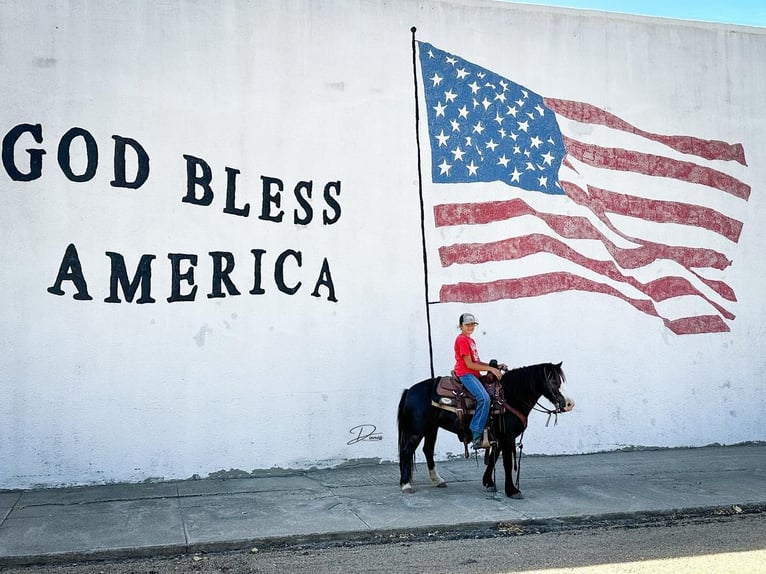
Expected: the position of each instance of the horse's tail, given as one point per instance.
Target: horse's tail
(404, 435)
(400, 422)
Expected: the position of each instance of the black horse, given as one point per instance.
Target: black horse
(419, 419)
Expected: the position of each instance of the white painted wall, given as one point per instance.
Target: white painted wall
(94, 392)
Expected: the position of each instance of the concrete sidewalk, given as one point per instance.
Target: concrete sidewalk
(364, 504)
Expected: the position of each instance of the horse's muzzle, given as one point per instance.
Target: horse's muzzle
(564, 404)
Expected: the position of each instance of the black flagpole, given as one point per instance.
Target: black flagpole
(422, 206)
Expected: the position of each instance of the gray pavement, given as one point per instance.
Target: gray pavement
(363, 503)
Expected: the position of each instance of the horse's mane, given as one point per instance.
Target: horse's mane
(522, 374)
(524, 379)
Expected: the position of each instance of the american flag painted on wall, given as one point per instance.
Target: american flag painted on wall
(551, 195)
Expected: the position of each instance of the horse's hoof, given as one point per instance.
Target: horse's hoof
(407, 489)
(516, 496)
(441, 485)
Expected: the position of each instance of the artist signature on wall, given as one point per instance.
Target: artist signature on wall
(364, 432)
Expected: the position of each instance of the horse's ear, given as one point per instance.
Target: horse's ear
(560, 363)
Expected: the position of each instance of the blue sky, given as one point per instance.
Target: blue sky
(744, 12)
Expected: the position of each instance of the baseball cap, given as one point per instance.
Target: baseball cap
(467, 319)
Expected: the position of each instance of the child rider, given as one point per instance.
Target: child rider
(467, 367)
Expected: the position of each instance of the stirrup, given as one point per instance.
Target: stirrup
(484, 443)
(485, 440)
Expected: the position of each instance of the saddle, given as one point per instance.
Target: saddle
(450, 394)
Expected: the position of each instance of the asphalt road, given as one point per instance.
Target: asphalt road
(715, 544)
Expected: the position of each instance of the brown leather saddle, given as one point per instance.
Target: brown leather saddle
(450, 395)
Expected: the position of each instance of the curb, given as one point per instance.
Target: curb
(421, 534)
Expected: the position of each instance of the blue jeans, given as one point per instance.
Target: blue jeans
(479, 420)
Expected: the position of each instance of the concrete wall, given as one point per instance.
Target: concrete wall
(305, 112)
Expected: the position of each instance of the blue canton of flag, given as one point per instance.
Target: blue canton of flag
(484, 127)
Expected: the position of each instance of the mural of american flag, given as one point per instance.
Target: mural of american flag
(609, 203)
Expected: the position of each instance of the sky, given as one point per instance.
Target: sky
(741, 12)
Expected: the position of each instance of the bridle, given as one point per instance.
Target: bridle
(550, 412)
(537, 406)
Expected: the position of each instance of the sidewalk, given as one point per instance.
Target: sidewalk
(363, 503)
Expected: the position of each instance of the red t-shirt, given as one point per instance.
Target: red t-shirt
(464, 345)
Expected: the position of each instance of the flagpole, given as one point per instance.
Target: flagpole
(422, 205)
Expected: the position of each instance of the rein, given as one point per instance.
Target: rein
(550, 412)
(517, 450)
(520, 445)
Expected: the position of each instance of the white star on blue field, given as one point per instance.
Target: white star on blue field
(485, 127)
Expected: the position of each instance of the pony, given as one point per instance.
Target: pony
(419, 417)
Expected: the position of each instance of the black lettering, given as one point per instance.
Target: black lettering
(193, 180)
(331, 202)
(142, 171)
(231, 191)
(91, 153)
(279, 271)
(271, 198)
(258, 255)
(71, 270)
(142, 278)
(177, 276)
(325, 279)
(35, 155)
(221, 274)
(305, 186)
